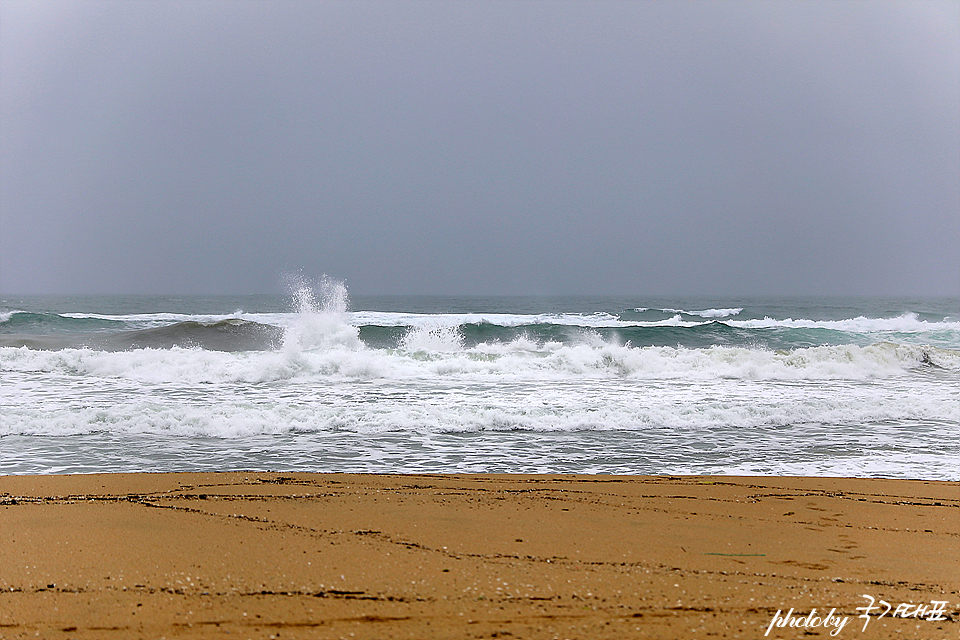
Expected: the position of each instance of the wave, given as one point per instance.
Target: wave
(905, 323)
(440, 355)
(321, 338)
(705, 313)
(382, 318)
(320, 321)
(521, 388)
(223, 335)
(51, 322)
(512, 413)
(387, 329)
(474, 334)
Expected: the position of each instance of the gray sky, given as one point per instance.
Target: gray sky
(653, 147)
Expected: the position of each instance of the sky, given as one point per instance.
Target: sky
(532, 148)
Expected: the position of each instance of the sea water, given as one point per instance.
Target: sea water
(314, 381)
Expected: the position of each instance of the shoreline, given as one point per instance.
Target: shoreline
(306, 555)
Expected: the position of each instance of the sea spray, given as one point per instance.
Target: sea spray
(321, 320)
(436, 338)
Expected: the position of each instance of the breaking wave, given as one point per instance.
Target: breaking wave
(317, 351)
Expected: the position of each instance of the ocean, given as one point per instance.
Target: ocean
(315, 381)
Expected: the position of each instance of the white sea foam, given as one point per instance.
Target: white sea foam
(893, 464)
(397, 319)
(374, 406)
(707, 313)
(323, 348)
(906, 323)
(437, 339)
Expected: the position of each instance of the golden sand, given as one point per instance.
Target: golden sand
(313, 556)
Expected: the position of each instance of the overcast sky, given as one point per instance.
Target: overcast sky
(652, 147)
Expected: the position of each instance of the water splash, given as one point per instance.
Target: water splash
(437, 338)
(325, 295)
(321, 322)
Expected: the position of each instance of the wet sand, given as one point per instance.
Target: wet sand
(268, 555)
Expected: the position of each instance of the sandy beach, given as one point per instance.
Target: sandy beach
(268, 555)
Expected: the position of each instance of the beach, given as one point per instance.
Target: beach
(479, 320)
(297, 555)
(420, 468)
